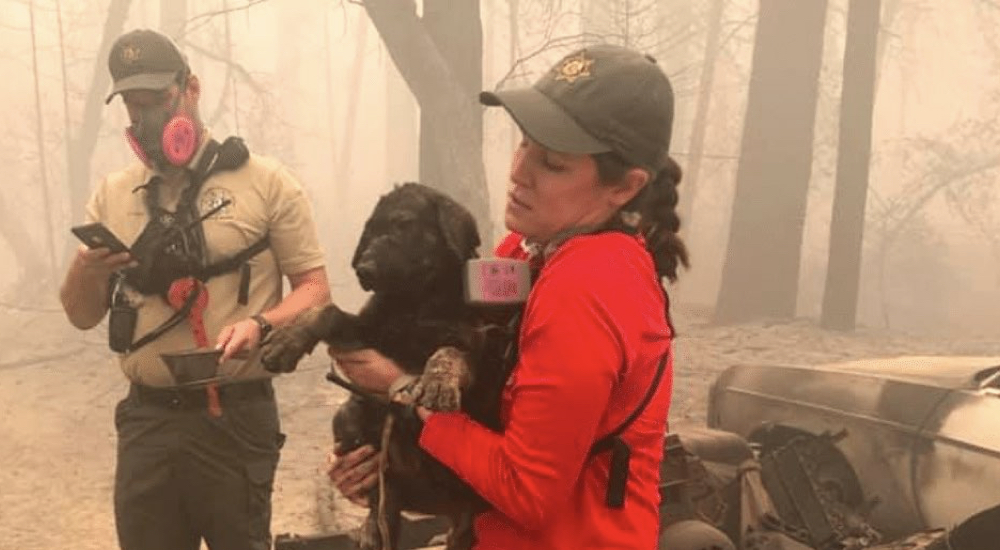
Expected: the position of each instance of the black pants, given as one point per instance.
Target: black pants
(184, 475)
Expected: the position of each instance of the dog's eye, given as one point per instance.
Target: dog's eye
(405, 223)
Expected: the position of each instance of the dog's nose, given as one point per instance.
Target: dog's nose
(365, 270)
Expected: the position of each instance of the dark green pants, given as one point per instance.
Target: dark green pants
(184, 475)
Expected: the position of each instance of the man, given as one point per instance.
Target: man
(212, 230)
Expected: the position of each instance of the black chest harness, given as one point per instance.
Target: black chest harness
(172, 247)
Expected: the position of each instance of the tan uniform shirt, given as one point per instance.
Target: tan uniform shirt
(266, 200)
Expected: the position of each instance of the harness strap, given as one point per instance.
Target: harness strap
(605, 442)
(174, 320)
(233, 262)
(395, 407)
(241, 261)
(621, 453)
(332, 376)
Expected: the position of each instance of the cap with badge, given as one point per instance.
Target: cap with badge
(144, 60)
(597, 99)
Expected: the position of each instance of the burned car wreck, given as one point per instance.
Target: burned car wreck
(779, 499)
(897, 454)
(908, 443)
(721, 492)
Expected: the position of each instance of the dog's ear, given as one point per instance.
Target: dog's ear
(458, 227)
(366, 235)
(362, 245)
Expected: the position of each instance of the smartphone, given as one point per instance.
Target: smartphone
(97, 235)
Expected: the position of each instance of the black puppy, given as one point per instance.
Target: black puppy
(411, 255)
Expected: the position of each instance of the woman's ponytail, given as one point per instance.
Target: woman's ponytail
(653, 212)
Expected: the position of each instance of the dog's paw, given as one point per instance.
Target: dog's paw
(440, 387)
(285, 347)
(282, 350)
(367, 535)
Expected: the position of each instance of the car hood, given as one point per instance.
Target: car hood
(944, 371)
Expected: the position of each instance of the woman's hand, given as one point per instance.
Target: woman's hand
(354, 474)
(367, 368)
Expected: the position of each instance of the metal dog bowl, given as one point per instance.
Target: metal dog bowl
(192, 365)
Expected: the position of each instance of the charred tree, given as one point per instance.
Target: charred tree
(761, 270)
(81, 147)
(401, 135)
(43, 168)
(31, 285)
(439, 56)
(840, 297)
(699, 125)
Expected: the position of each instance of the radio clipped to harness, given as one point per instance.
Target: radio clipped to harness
(497, 281)
(122, 318)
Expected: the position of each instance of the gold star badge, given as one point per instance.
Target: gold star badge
(130, 54)
(573, 68)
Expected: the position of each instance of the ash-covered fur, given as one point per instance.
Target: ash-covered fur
(411, 255)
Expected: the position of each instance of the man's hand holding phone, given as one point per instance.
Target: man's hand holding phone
(84, 293)
(101, 262)
(102, 252)
(97, 235)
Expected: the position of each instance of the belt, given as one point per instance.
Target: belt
(198, 397)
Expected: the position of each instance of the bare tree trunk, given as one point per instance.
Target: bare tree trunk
(402, 137)
(761, 271)
(891, 10)
(696, 147)
(67, 130)
(43, 167)
(448, 105)
(840, 298)
(461, 46)
(29, 287)
(82, 145)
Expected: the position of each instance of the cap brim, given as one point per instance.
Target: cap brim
(146, 81)
(544, 121)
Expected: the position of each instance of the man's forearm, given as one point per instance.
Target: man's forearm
(84, 300)
(309, 290)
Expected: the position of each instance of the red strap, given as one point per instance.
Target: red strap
(179, 292)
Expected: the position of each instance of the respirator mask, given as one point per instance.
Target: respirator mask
(162, 137)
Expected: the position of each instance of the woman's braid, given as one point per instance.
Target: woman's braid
(653, 212)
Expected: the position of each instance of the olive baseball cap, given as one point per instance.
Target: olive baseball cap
(595, 100)
(144, 60)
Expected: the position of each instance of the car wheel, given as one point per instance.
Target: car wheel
(693, 535)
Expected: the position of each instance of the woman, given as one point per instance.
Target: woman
(592, 203)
